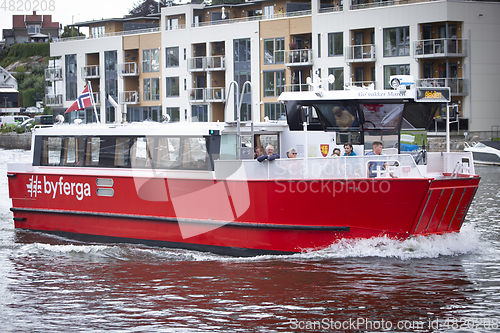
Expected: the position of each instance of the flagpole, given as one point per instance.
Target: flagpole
(92, 100)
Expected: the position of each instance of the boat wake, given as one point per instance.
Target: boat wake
(433, 246)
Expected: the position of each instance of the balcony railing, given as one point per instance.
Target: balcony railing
(216, 94)
(331, 9)
(175, 27)
(216, 63)
(457, 85)
(364, 84)
(97, 98)
(298, 57)
(197, 95)
(252, 18)
(129, 97)
(197, 64)
(90, 72)
(129, 69)
(442, 47)
(112, 34)
(53, 100)
(296, 87)
(360, 53)
(53, 74)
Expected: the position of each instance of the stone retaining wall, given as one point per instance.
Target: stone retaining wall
(15, 141)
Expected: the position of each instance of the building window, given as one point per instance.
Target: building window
(394, 70)
(242, 50)
(172, 86)
(274, 111)
(151, 89)
(335, 44)
(97, 31)
(199, 113)
(319, 45)
(268, 12)
(172, 54)
(242, 69)
(274, 83)
(396, 41)
(274, 51)
(151, 60)
(339, 78)
(33, 29)
(174, 114)
(71, 77)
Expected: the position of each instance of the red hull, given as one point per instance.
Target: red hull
(274, 216)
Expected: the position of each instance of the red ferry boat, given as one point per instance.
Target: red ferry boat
(197, 185)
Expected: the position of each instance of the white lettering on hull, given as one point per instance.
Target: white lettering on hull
(59, 187)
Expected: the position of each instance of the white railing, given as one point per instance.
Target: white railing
(53, 74)
(197, 95)
(129, 69)
(89, 72)
(296, 87)
(360, 53)
(457, 85)
(401, 166)
(112, 34)
(301, 57)
(364, 84)
(129, 97)
(97, 97)
(439, 47)
(197, 64)
(331, 9)
(216, 63)
(175, 27)
(215, 94)
(251, 18)
(53, 100)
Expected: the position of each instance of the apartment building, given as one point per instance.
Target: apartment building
(184, 63)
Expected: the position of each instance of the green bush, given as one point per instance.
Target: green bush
(20, 130)
(8, 128)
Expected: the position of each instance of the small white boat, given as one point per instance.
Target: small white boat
(486, 152)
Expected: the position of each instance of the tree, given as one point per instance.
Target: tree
(71, 32)
(146, 8)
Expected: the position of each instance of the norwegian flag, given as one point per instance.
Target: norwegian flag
(84, 100)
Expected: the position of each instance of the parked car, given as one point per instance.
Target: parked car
(32, 109)
(45, 119)
(21, 119)
(7, 120)
(27, 122)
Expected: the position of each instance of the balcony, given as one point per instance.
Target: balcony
(296, 58)
(440, 48)
(91, 72)
(458, 86)
(129, 97)
(296, 87)
(197, 64)
(53, 74)
(360, 53)
(216, 94)
(197, 95)
(217, 63)
(129, 69)
(53, 100)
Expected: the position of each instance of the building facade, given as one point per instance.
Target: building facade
(31, 28)
(190, 66)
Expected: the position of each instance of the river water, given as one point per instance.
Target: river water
(430, 284)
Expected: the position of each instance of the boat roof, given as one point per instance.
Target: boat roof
(157, 129)
(354, 94)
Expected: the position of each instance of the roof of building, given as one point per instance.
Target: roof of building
(19, 21)
(123, 19)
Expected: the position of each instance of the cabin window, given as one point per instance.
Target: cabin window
(382, 116)
(51, 151)
(186, 153)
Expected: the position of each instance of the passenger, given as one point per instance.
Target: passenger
(372, 166)
(348, 150)
(343, 118)
(259, 151)
(271, 155)
(291, 153)
(336, 152)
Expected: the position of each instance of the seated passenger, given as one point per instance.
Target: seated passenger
(270, 154)
(291, 153)
(343, 118)
(336, 152)
(348, 150)
(372, 166)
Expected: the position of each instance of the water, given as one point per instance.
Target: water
(441, 283)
